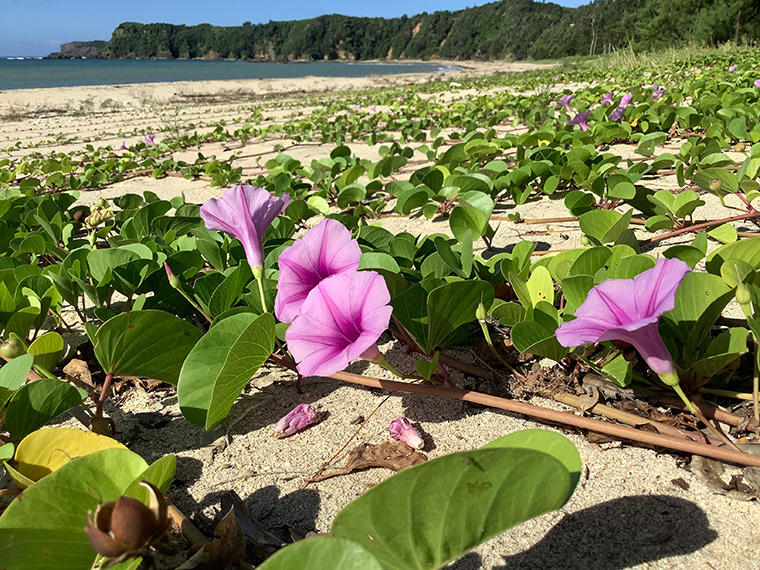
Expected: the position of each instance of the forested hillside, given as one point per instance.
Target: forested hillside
(516, 29)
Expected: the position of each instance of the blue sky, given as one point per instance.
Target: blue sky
(38, 27)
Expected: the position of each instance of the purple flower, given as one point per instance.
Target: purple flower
(732, 68)
(757, 82)
(149, 139)
(298, 419)
(555, 78)
(607, 98)
(580, 120)
(626, 100)
(629, 310)
(340, 321)
(617, 114)
(658, 91)
(245, 212)
(326, 249)
(564, 101)
(402, 429)
(123, 145)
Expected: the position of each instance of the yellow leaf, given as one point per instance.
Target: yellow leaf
(634, 122)
(45, 450)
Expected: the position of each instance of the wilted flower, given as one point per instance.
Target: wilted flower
(580, 120)
(732, 68)
(630, 310)
(127, 528)
(564, 101)
(245, 212)
(149, 139)
(402, 429)
(123, 146)
(297, 419)
(340, 321)
(658, 91)
(617, 114)
(326, 249)
(607, 98)
(99, 213)
(626, 100)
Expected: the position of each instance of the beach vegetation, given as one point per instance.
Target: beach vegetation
(291, 269)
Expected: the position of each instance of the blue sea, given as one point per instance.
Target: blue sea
(28, 73)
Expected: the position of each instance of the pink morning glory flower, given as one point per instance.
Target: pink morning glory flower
(607, 98)
(149, 139)
(245, 212)
(298, 419)
(629, 310)
(402, 429)
(580, 120)
(626, 100)
(326, 249)
(732, 68)
(757, 82)
(564, 101)
(617, 114)
(658, 91)
(123, 145)
(340, 321)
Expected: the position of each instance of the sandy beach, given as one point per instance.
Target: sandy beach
(634, 508)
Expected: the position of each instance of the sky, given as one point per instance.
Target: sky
(38, 27)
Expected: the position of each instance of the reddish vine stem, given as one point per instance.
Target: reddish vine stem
(674, 233)
(103, 395)
(565, 418)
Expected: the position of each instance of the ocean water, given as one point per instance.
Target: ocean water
(20, 73)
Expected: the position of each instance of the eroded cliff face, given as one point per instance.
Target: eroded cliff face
(77, 50)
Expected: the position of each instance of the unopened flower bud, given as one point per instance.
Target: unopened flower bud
(12, 348)
(298, 419)
(744, 298)
(716, 185)
(173, 279)
(480, 312)
(403, 430)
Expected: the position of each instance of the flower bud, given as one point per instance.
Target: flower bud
(744, 298)
(402, 429)
(298, 419)
(716, 185)
(173, 279)
(12, 348)
(480, 312)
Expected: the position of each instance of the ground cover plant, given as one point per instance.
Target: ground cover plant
(290, 265)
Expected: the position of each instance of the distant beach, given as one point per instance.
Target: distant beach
(30, 73)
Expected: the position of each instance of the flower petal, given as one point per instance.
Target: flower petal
(655, 289)
(245, 212)
(326, 249)
(340, 319)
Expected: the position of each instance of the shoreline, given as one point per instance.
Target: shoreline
(71, 100)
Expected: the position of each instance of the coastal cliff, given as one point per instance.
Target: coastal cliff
(78, 50)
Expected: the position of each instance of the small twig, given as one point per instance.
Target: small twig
(315, 477)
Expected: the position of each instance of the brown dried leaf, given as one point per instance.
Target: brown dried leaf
(395, 455)
(78, 371)
(227, 548)
(588, 400)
